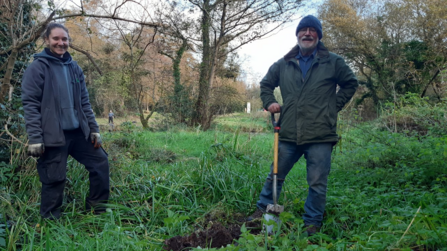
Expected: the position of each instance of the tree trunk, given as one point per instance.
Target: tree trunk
(143, 121)
(139, 99)
(6, 85)
(200, 113)
(179, 95)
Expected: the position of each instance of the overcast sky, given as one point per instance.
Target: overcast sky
(259, 55)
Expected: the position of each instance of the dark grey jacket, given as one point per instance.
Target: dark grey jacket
(41, 104)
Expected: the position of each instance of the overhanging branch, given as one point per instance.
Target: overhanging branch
(113, 17)
(74, 47)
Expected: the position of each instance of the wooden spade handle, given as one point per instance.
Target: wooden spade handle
(275, 154)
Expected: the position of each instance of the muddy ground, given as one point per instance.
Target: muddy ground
(215, 235)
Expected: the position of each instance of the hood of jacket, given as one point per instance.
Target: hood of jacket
(47, 54)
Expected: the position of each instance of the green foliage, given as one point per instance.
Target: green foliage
(391, 51)
(287, 237)
(417, 160)
(380, 184)
(416, 52)
(2, 232)
(255, 122)
(398, 68)
(128, 126)
(174, 223)
(11, 112)
(414, 115)
(180, 105)
(107, 88)
(226, 99)
(180, 102)
(229, 66)
(7, 174)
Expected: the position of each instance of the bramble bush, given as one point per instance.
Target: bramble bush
(414, 115)
(417, 147)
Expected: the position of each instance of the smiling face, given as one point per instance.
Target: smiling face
(307, 40)
(57, 41)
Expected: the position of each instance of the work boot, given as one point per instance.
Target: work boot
(311, 230)
(256, 215)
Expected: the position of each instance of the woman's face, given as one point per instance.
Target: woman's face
(57, 41)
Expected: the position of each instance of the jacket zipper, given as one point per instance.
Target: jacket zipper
(57, 104)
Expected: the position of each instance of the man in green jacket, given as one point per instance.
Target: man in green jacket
(308, 77)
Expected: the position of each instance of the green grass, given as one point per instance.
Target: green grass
(257, 121)
(386, 192)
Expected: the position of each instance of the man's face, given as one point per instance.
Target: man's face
(57, 41)
(307, 39)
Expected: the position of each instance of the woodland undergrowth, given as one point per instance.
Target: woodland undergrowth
(387, 188)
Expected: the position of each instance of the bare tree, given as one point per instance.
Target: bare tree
(21, 36)
(227, 25)
(12, 15)
(137, 41)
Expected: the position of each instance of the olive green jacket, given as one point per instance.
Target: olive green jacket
(309, 112)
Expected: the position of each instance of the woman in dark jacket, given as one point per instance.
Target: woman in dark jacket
(60, 122)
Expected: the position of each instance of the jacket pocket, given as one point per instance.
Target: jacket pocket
(288, 120)
(51, 130)
(317, 122)
(104, 151)
(50, 167)
(332, 113)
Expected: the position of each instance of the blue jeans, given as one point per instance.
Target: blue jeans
(318, 166)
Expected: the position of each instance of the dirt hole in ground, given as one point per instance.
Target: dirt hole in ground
(215, 236)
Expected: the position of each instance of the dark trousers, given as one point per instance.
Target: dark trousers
(52, 168)
(110, 120)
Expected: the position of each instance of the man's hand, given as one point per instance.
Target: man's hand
(96, 139)
(274, 108)
(36, 150)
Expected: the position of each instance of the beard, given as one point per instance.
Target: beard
(307, 49)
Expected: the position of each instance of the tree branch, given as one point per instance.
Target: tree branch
(429, 83)
(42, 26)
(74, 47)
(153, 25)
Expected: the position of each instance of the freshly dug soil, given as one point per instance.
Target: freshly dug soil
(215, 236)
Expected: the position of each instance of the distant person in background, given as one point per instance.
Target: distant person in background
(111, 116)
(60, 122)
(308, 76)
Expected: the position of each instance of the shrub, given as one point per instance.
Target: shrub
(419, 159)
(414, 115)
